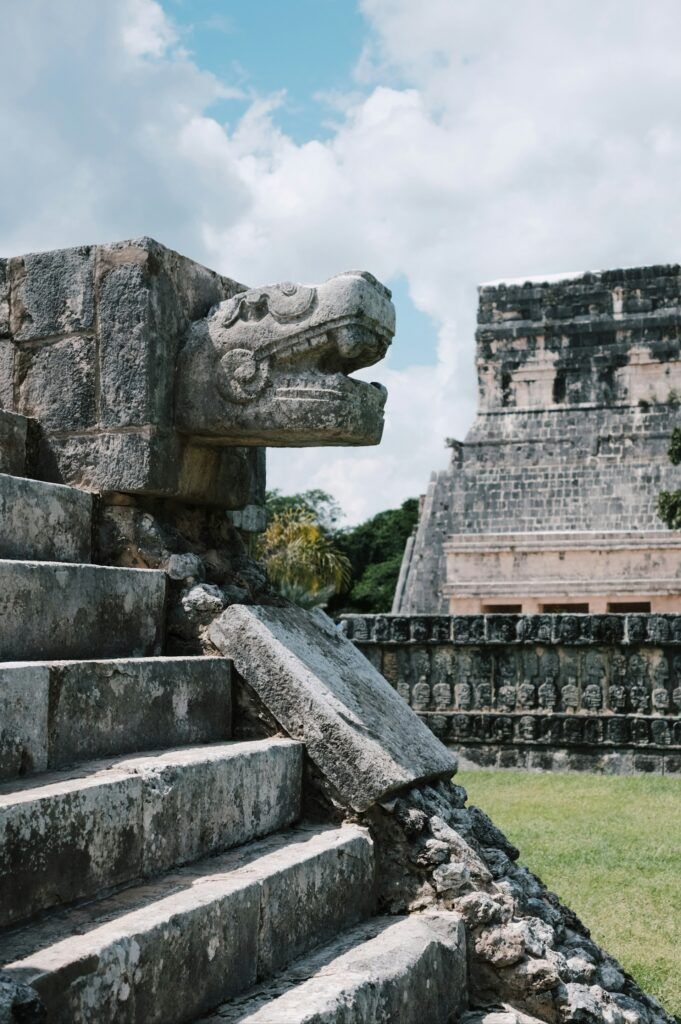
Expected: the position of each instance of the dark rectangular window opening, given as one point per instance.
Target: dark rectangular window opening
(565, 609)
(623, 607)
(502, 609)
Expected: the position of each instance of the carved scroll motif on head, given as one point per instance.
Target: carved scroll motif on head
(271, 365)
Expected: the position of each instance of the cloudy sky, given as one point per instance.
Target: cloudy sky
(437, 143)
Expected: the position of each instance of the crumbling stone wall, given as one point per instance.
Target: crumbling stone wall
(579, 389)
(596, 692)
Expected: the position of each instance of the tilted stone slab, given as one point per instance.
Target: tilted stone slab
(101, 708)
(409, 969)
(170, 950)
(68, 835)
(13, 436)
(44, 521)
(65, 610)
(358, 731)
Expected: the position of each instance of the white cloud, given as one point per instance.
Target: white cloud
(480, 140)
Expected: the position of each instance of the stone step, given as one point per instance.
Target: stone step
(168, 951)
(68, 610)
(14, 432)
(44, 521)
(53, 714)
(406, 969)
(69, 835)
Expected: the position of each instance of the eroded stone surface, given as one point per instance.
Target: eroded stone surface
(409, 970)
(546, 692)
(54, 714)
(13, 437)
(44, 521)
(527, 950)
(361, 735)
(53, 610)
(24, 695)
(172, 949)
(67, 835)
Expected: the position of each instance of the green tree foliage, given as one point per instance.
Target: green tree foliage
(322, 505)
(313, 562)
(302, 561)
(375, 550)
(669, 502)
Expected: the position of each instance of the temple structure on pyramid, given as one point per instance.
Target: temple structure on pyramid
(550, 502)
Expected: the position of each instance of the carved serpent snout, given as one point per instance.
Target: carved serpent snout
(273, 363)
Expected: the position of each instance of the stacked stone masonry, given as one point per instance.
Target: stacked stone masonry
(547, 692)
(579, 390)
(89, 339)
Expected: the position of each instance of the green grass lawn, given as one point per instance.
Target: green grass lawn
(611, 848)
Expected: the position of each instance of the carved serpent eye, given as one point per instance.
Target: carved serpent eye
(240, 376)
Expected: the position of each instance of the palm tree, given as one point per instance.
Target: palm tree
(301, 560)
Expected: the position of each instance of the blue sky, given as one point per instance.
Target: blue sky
(436, 144)
(307, 50)
(306, 47)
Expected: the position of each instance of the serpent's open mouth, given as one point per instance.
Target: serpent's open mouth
(318, 365)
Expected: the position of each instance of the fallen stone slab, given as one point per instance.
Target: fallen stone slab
(357, 730)
(172, 949)
(67, 610)
(68, 835)
(47, 522)
(409, 969)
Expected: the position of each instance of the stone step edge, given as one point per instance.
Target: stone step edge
(44, 521)
(66, 836)
(55, 713)
(93, 567)
(411, 969)
(87, 496)
(172, 949)
(118, 612)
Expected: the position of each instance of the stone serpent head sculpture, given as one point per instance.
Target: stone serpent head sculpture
(270, 366)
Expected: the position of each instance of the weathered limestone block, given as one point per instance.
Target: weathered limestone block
(102, 708)
(13, 439)
(155, 462)
(94, 335)
(61, 610)
(44, 521)
(407, 970)
(24, 695)
(71, 834)
(52, 293)
(55, 383)
(359, 733)
(228, 921)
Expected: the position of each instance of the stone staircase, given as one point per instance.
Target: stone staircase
(152, 869)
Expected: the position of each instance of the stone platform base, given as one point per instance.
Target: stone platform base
(612, 762)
